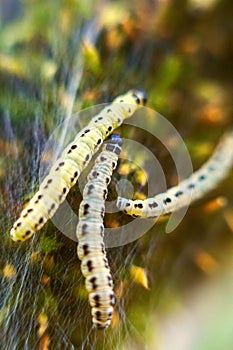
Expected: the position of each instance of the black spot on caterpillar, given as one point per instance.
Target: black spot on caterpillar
(200, 182)
(90, 230)
(66, 170)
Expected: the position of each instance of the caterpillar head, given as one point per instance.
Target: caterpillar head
(136, 97)
(140, 96)
(116, 138)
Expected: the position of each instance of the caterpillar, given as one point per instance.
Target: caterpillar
(76, 156)
(194, 187)
(90, 232)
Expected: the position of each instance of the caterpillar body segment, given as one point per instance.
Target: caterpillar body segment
(67, 170)
(90, 234)
(76, 156)
(194, 187)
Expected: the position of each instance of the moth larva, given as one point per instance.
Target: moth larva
(66, 170)
(194, 187)
(90, 232)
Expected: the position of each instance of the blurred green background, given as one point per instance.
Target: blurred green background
(56, 57)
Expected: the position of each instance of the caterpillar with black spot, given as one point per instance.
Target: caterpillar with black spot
(66, 170)
(194, 187)
(90, 233)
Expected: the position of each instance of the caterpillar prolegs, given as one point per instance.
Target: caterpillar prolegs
(194, 187)
(90, 232)
(66, 170)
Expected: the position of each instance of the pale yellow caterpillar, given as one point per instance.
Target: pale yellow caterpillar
(65, 172)
(194, 187)
(90, 232)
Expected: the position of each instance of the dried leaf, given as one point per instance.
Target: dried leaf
(141, 177)
(205, 262)
(45, 279)
(9, 271)
(35, 257)
(228, 215)
(115, 319)
(138, 275)
(139, 195)
(215, 205)
(43, 323)
(44, 342)
(124, 169)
